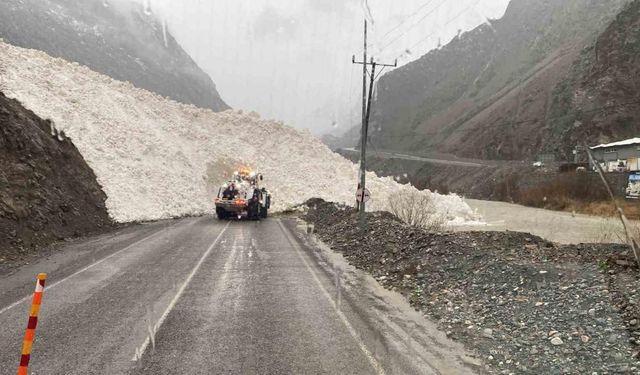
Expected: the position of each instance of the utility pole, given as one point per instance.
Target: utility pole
(366, 114)
(361, 183)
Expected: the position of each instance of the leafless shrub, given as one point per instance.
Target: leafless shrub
(563, 192)
(417, 209)
(611, 231)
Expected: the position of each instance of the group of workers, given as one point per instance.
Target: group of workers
(231, 192)
(241, 177)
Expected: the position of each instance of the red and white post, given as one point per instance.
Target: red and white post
(30, 334)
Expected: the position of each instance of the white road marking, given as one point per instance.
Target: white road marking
(140, 350)
(372, 360)
(49, 287)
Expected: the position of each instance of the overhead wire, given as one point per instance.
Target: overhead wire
(367, 11)
(466, 10)
(387, 45)
(602, 109)
(406, 19)
(422, 7)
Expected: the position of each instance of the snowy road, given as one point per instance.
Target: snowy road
(205, 297)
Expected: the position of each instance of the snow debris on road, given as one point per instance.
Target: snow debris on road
(156, 158)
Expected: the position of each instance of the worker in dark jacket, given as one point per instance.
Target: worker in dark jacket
(230, 192)
(254, 205)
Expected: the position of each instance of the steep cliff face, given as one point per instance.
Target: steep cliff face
(47, 190)
(114, 37)
(489, 92)
(600, 100)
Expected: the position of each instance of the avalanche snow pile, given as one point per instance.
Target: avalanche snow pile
(156, 158)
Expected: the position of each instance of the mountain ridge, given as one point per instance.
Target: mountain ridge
(488, 93)
(117, 38)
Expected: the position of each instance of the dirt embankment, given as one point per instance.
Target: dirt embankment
(524, 304)
(47, 191)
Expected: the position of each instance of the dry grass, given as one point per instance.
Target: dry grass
(563, 192)
(631, 208)
(604, 208)
(573, 192)
(418, 210)
(612, 231)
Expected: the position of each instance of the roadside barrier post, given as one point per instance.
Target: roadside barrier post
(31, 326)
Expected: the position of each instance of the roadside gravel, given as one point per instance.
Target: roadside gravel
(523, 304)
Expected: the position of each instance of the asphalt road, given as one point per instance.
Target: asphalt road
(201, 296)
(434, 160)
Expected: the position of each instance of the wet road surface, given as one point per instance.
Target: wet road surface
(202, 296)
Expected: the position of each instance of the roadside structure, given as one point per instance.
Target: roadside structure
(621, 156)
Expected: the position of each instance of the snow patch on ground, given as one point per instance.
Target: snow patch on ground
(156, 158)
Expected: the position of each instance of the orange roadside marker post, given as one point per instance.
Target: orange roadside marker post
(31, 326)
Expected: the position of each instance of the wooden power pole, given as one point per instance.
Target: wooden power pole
(366, 114)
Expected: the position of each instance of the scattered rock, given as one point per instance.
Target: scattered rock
(488, 333)
(481, 279)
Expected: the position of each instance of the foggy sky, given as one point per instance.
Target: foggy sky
(291, 59)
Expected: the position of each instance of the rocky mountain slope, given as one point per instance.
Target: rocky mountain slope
(47, 191)
(118, 38)
(600, 100)
(491, 93)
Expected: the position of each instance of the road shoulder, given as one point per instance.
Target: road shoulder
(401, 338)
(64, 259)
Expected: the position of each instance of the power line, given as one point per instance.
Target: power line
(406, 19)
(367, 11)
(414, 25)
(446, 24)
(411, 28)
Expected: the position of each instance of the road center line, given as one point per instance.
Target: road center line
(49, 287)
(372, 360)
(140, 351)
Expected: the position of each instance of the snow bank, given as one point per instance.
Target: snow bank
(156, 158)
